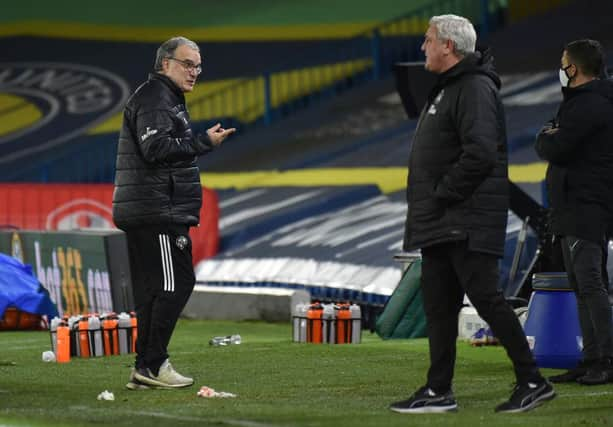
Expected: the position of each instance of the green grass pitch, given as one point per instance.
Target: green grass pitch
(278, 383)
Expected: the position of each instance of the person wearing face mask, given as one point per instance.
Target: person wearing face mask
(157, 198)
(458, 201)
(578, 144)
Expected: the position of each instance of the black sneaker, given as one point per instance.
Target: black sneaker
(594, 376)
(572, 375)
(425, 401)
(600, 372)
(527, 396)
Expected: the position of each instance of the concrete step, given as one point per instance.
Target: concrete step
(243, 303)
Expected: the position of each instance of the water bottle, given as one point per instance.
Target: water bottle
(73, 325)
(329, 326)
(343, 324)
(63, 343)
(53, 331)
(95, 335)
(356, 324)
(226, 340)
(315, 323)
(123, 328)
(299, 323)
(109, 334)
(84, 348)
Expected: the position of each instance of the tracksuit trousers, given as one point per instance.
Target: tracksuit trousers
(162, 281)
(586, 267)
(449, 271)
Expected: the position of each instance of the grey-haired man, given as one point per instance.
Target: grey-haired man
(458, 203)
(157, 199)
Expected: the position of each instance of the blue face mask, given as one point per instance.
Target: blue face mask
(564, 77)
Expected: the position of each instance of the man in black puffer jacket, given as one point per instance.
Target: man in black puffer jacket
(457, 195)
(157, 198)
(578, 144)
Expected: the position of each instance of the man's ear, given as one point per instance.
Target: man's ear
(165, 62)
(449, 45)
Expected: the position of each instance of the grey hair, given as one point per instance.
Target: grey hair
(457, 29)
(167, 50)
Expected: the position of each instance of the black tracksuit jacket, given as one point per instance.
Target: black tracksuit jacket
(457, 187)
(157, 180)
(580, 156)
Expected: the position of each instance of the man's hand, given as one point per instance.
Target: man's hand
(217, 134)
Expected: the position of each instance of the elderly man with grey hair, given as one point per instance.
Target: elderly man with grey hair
(457, 194)
(157, 198)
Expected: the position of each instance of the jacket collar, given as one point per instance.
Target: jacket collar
(168, 82)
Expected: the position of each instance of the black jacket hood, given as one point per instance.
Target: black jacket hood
(479, 62)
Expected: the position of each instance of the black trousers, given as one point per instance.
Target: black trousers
(448, 272)
(586, 267)
(162, 281)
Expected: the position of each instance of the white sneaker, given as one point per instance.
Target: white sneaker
(134, 384)
(166, 377)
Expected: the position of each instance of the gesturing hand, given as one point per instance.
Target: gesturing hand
(217, 134)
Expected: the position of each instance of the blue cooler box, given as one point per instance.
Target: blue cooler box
(552, 326)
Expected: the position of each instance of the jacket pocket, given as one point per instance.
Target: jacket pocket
(431, 209)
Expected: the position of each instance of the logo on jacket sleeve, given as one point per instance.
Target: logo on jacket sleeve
(148, 132)
(182, 242)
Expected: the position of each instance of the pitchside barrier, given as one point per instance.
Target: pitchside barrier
(83, 271)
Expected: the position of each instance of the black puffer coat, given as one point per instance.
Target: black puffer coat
(580, 156)
(157, 180)
(457, 186)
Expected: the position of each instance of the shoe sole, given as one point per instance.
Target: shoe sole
(134, 386)
(538, 402)
(427, 410)
(151, 382)
(139, 386)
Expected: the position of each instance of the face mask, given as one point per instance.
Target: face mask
(564, 78)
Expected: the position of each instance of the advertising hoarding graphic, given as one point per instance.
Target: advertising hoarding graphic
(89, 206)
(74, 267)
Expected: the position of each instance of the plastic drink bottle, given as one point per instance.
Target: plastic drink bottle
(83, 336)
(343, 321)
(356, 324)
(53, 331)
(123, 329)
(329, 324)
(95, 336)
(73, 326)
(299, 323)
(315, 323)
(225, 340)
(109, 334)
(63, 343)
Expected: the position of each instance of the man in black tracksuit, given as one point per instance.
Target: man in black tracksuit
(578, 144)
(157, 198)
(457, 195)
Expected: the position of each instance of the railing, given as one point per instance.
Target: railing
(364, 57)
